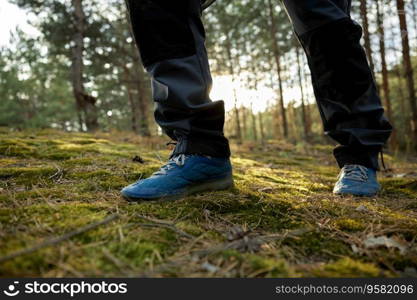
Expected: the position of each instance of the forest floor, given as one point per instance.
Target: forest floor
(61, 214)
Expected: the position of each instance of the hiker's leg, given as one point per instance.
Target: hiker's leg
(345, 90)
(170, 36)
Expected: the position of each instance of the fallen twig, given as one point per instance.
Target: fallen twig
(164, 224)
(57, 240)
(249, 243)
(118, 263)
(153, 220)
(162, 268)
(59, 173)
(237, 244)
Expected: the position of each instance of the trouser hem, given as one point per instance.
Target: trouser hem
(365, 157)
(207, 147)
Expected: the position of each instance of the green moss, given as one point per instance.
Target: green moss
(319, 245)
(138, 252)
(15, 147)
(53, 182)
(400, 187)
(75, 162)
(259, 265)
(86, 141)
(269, 267)
(323, 148)
(62, 216)
(402, 262)
(59, 154)
(350, 225)
(190, 228)
(91, 174)
(29, 173)
(113, 183)
(29, 266)
(347, 267)
(7, 162)
(55, 192)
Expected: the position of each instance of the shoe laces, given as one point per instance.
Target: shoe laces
(176, 161)
(354, 172)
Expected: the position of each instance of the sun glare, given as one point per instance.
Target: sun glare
(224, 86)
(11, 17)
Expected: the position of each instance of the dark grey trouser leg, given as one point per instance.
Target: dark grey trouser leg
(345, 90)
(171, 37)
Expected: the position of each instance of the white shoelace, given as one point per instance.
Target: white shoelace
(178, 160)
(354, 172)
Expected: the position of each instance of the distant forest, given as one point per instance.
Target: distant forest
(83, 71)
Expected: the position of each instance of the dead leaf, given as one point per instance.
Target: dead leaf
(355, 249)
(362, 208)
(266, 190)
(271, 166)
(236, 232)
(209, 267)
(385, 241)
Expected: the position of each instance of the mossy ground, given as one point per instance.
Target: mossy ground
(280, 220)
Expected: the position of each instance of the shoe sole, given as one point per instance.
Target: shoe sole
(355, 195)
(215, 185)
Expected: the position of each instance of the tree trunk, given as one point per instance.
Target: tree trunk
(255, 87)
(261, 127)
(237, 121)
(143, 101)
(243, 119)
(385, 79)
(277, 57)
(232, 73)
(408, 70)
(400, 87)
(85, 102)
(133, 108)
(79, 116)
(303, 107)
(366, 35)
(307, 78)
(414, 8)
(254, 131)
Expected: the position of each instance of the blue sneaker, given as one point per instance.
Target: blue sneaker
(357, 180)
(183, 175)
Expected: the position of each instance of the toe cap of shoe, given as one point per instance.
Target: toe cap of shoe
(138, 191)
(357, 190)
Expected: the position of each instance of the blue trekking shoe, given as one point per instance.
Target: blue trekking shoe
(357, 180)
(183, 175)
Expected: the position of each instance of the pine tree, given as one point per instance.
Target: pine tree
(408, 69)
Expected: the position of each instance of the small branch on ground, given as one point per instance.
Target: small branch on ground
(245, 244)
(251, 244)
(163, 224)
(117, 262)
(57, 176)
(57, 240)
(154, 220)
